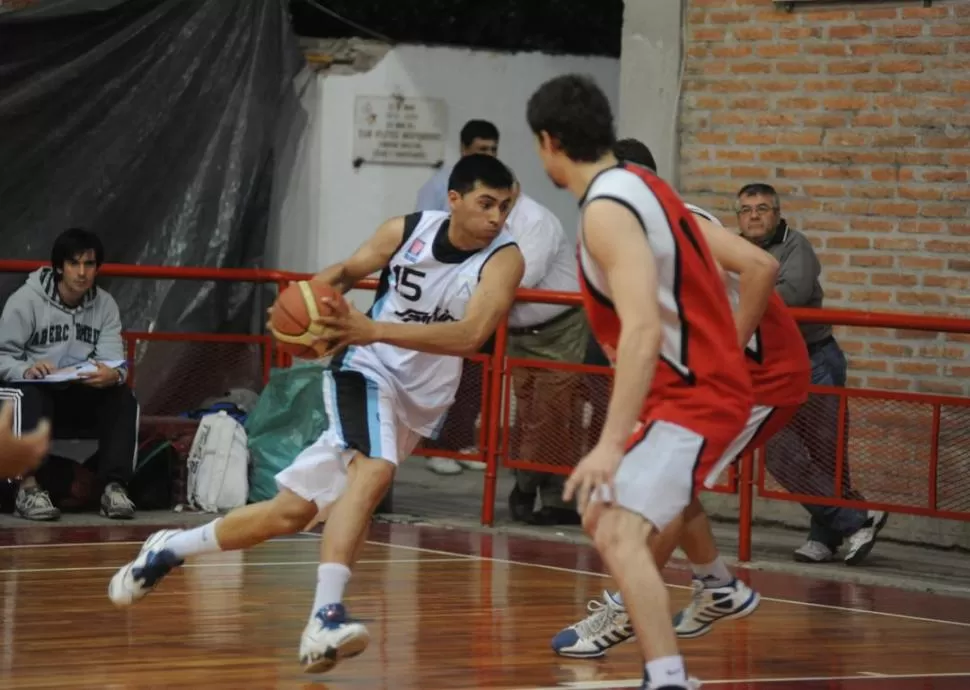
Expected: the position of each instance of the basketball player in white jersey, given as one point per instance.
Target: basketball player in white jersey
(446, 281)
(749, 274)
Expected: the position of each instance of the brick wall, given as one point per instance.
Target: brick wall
(859, 114)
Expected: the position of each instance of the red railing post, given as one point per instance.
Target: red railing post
(931, 496)
(494, 418)
(746, 505)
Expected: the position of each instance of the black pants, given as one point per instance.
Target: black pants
(76, 411)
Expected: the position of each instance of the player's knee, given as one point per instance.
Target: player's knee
(618, 532)
(291, 513)
(372, 478)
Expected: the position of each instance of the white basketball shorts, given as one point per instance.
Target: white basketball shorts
(361, 419)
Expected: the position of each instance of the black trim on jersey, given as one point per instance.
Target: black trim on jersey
(444, 251)
(597, 295)
(493, 253)
(411, 222)
(685, 228)
(350, 391)
(582, 200)
(758, 355)
(688, 378)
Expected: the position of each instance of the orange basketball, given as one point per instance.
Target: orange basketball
(292, 316)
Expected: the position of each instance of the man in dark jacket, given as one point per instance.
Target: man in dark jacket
(61, 346)
(816, 424)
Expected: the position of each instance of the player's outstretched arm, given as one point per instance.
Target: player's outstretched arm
(756, 268)
(617, 243)
(370, 257)
(491, 300)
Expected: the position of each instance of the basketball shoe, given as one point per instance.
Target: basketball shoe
(711, 604)
(139, 577)
(330, 637)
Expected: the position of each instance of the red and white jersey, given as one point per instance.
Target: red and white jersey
(700, 382)
(776, 354)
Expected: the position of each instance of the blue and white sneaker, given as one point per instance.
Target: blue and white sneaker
(142, 575)
(330, 637)
(711, 604)
(607, 625)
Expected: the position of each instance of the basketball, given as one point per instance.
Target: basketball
(292, 316)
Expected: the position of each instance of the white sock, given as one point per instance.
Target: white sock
(192, 542)
(331, 580)
(713, 574)
(668, 670)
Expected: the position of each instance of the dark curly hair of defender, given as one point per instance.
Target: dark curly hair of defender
(574, 111)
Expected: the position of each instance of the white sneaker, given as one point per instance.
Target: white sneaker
(607, 625)
(142, 575)
(863, 539)
(329, 638)
(814, 552)
(712, 604)
(444, 466)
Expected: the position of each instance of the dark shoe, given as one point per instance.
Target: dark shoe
(521, 505)
(555, 516)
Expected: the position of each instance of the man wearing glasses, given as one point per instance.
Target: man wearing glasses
(816, 424)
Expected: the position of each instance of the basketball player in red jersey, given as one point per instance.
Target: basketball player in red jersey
(658, 308)
(780, 372)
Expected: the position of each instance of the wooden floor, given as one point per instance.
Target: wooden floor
(446, 610)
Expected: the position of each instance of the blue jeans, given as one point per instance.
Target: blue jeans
(803, 456)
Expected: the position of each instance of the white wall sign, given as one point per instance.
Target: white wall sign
(399, 130)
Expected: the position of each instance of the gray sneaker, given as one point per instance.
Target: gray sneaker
(814, 552)
(36, 504)
(115, 503)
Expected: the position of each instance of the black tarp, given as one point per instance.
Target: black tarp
(151, 123)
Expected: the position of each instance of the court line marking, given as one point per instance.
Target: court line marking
(266, 564)
(576, 571)
(616, 684)
(63, 545)
(311, 536)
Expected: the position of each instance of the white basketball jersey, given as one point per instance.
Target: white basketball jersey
(732, 281)
(426, 281)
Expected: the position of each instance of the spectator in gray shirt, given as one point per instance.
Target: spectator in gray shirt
(804, 461)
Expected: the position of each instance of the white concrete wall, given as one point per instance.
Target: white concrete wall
(324, 208)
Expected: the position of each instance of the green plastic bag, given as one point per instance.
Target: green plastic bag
(288, 418)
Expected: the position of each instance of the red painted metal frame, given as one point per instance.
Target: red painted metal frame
(497, 370)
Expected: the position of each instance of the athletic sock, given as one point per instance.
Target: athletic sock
(332, 578)
(196, 541)
(714, 574)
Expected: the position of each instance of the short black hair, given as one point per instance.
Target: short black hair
(575, 112)
(634, 151)
(479, 167)
(478, 129)
(74, 242)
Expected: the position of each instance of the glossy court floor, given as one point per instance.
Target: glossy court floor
(446, 609)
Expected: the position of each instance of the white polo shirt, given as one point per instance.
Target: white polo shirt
(550, 261)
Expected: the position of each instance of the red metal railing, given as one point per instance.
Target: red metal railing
(750, 475)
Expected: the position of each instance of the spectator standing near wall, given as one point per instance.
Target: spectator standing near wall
(477, 136)
(805, 461)
(545, 412)
(59, 318)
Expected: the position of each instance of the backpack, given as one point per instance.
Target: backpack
(218, 465)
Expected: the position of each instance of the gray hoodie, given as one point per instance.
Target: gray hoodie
(36, 325)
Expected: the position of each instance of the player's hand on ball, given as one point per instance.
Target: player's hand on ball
(593, 476)
(346, 327)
